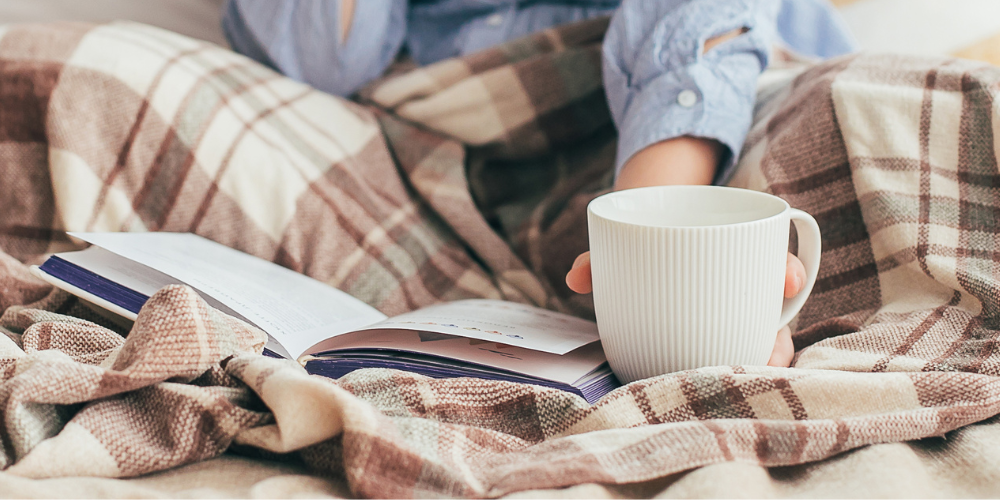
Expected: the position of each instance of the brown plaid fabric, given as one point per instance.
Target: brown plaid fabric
(124, 127)
(131, 128)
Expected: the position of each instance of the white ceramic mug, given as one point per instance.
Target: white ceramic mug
(693, 276)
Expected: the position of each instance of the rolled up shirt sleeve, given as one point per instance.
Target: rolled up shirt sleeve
(302, 39)
(661, 84)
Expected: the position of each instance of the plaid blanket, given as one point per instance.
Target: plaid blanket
(469, 179)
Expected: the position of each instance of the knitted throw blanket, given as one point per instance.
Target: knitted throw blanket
(469, 178)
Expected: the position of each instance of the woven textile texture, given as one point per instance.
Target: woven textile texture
(469, 179)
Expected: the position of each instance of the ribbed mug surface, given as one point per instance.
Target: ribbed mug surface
(675, 297)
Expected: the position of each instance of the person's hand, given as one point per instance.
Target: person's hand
(579, 280)
(687, 160)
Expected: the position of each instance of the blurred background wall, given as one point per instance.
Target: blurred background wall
(195, 18)
(963, 28)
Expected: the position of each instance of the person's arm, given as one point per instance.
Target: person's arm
(336, 46)
(686, 68)
(681, 79)
(680, 160)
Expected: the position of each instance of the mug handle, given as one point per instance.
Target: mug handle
(809, 253)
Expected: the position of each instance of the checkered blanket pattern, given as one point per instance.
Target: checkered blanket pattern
(124, 127)
(132, 128)
(904, 190)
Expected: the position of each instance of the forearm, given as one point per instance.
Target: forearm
(683, 69)
(682, 160)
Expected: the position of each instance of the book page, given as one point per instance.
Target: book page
(508, 323)
(127, 273)
(137, 277)
(567, 368)
(294, 309)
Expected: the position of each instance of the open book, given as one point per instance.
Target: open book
(329, 331)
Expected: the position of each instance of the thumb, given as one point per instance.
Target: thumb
(578, 278)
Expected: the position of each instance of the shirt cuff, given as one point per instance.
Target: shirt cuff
(703, 99)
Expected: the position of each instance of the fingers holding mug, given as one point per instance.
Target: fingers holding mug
(795, 276)
(579, 278)
(692, 276)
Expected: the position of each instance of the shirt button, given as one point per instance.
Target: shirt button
(687, 98)
(494, 20)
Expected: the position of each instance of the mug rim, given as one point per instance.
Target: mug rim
(614, 194)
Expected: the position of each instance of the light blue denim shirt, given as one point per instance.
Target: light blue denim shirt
(658, 81)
